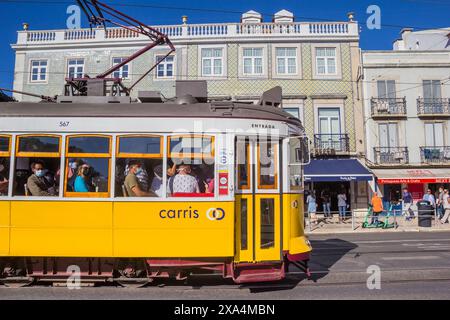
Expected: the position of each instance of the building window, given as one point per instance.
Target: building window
(286, 61)
(165, 67)
(212, 61)
(386, 89)
(253, 61)
(39, 70)
(434, 134)
(75, 68)
(388, 135)
(293, 111)
(123, 72)
(432, 89)
(329, 121)
(326, 61)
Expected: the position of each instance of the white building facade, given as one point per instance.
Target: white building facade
(407, 113)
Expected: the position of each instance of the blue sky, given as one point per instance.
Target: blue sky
(395, 14)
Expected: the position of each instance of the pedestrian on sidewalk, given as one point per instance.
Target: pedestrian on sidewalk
(377, 207)
(430, 198)
(326, 203)
(312, 207)
(407, 203)
(440, 203)
(446, 204)
(342, 205)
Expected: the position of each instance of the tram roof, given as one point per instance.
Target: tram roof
(228, 110)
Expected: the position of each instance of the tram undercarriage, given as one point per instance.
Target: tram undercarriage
(20, 272)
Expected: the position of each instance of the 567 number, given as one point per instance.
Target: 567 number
(64, 124)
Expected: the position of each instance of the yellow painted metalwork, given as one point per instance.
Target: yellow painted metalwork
(63, 229)
(4, 227)
(244, 253)
(150, 229)
(173, 229)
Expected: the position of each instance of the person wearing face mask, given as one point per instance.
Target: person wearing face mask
(37, 184)
(134, 189)
(3, 181)
(81, 181)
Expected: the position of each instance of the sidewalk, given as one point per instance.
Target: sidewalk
(332, 225)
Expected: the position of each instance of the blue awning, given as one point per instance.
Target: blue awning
(322, 170)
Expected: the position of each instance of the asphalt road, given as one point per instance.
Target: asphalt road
(412, 266)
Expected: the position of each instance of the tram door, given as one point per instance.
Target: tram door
(258, 208)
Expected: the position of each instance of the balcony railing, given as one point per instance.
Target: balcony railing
(435, 155)
(388, 106)
(391, 155)
(193, 31)
(329, 143)
(438, 106)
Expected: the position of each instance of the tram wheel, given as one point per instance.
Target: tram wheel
(17, 282)
(133, 283)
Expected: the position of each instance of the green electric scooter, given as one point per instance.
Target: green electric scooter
(379, 224)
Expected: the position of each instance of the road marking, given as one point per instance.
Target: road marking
(410, 258)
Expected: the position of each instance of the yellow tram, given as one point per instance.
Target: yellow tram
(244, 221)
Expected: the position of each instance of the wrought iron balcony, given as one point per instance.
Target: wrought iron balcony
(388, 107)
(435, 155)
(331, 143)
(433, 107)
(391, 155)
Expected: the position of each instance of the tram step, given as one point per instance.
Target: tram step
(260, 275)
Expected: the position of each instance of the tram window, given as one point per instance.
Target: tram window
(267, 223)
(4, 176)
(87, 175)
(140, 145)
(4, 144)
(149, 178)
(37, 166)
(147, 152)
(34, 144)
(87, 166)
(244, 224)
(89, 144)
(298, 156)
(267, 163)
(191, 146)
(191, 177)
(25, 177)
(243, 164)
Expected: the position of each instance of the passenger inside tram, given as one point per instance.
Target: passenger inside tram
(82, 181)
(87, 175)
(191, 179)
(4, 174)
(132, 184)
(41, 182)
(146, 176)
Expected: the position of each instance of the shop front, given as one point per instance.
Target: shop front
(392, 181)
(336, 175)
